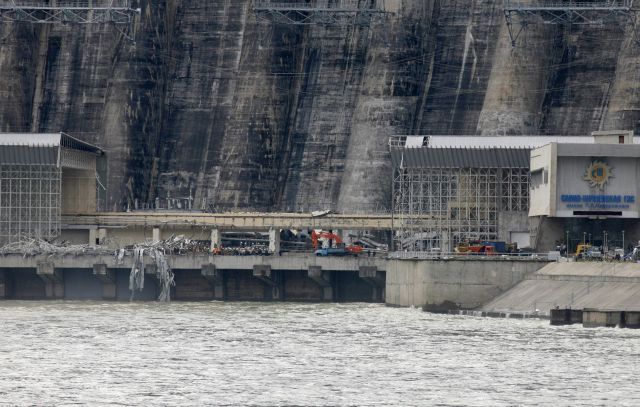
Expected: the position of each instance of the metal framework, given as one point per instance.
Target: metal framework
(321, 12)
(33, 170)
(447, 194)
(30, 201)
(520, 14)
(67, 11)
(462, 204)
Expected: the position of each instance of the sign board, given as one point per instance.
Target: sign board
(597, 187)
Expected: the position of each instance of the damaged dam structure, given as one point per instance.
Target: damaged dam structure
(208, 100)
(283, 110)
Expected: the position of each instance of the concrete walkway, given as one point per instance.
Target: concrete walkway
(573, 285)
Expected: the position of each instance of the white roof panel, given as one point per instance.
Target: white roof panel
(504, 141)
(30, 139)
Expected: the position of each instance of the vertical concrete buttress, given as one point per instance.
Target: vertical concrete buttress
(273, 281)
(215, 278)
(623, 112)
(324, 279)
(108, 279)
(514, 96)
(53, 279)
(3, 284)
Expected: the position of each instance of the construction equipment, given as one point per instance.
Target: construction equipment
(487, 248)
(581, 249)
(340, 249)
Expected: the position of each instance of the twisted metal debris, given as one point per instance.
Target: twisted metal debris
(162, 270)
(157, 251)
(28, 247)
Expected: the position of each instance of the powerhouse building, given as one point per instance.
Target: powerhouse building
(536, 191)
(43, 176)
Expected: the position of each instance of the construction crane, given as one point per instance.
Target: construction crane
(68, 11)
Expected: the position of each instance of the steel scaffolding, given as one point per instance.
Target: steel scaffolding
(462, 204)
(443, 196)
(67, 11)
(30, 203)
(42, 175)
(520, 14)
(321, 12)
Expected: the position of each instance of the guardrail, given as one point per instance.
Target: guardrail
(466, 256)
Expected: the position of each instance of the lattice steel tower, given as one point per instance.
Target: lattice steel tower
(67, 11)
(520, 14)
(318, 12)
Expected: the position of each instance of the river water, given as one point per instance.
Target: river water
(91, 353)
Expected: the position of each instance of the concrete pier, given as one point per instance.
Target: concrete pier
(323, 279)
(108, 279)
(273, 281)
(376, 279)
(3, 284)
(593, 318)
(216, 280)
(52, 278)
(632, 319)
(565, 316)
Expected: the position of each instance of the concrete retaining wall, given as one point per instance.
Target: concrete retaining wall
(614, 286)
(465, 283)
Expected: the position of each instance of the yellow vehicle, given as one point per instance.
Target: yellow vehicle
(581, 249)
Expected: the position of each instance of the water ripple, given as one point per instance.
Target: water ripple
(91, 353)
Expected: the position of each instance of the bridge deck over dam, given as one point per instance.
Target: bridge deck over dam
(232, 220)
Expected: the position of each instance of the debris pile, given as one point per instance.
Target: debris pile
(254, 250)
(28, 247)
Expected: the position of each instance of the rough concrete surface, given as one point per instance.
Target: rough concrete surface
(465, 283)
(208, 103)
(574, 285)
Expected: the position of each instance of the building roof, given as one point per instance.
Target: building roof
(473, 151)
(462, 157)
(47, 140)
(39, 148)
(529, 142)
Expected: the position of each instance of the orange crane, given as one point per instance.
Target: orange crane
(316, 236)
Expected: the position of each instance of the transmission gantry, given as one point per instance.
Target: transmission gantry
(318, 12)
(520, 14)
(67, 11)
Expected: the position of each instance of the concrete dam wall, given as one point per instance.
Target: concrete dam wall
(208, 103)
(443, 285)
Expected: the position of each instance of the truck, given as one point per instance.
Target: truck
(340, 249)
(498, 247)
(487, 247)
